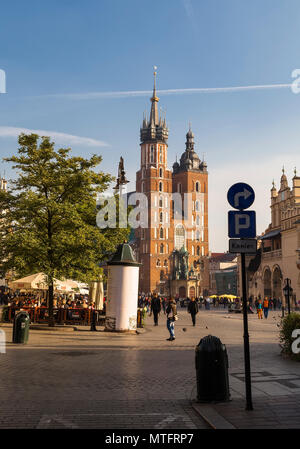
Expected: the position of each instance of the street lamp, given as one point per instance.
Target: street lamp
(287, 291)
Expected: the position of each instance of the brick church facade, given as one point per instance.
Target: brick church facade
(173, 247)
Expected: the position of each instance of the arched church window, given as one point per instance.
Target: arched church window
(161, 249)
(197, 186)
(161, 233)
(160, 172)
(152, 154)
(160, 186)
(179, 236)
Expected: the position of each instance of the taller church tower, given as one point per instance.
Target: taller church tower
(173, 247)
(155, 181)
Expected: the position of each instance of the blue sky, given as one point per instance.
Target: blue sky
(54, 49)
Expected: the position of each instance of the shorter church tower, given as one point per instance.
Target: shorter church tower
(190, 180)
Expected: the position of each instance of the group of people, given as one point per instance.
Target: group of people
(154, 304)
(61, 301)
(75, 305)
(263, 306)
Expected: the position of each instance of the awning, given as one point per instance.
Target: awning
(270, 234)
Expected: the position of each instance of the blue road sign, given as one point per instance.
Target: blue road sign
(240, 195)
(241, 224)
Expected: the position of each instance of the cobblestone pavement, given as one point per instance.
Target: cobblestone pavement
(89, 379)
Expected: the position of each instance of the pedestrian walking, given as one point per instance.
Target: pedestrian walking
(171, 312)
(193, 310)
(266, 307)
(259, 309)
(155, 308)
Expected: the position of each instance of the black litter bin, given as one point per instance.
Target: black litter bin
(212, 370)
(21, 328)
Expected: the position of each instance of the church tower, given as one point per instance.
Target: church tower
(155, 180)
(173, 247)
(190, 180)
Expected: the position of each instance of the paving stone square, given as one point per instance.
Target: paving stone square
(84, 379)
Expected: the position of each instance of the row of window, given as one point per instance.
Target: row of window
(197, 205)
(179, 185)
(164, 249)
(198, 251)
(158, 263)
(160, 173)
(197, 187)
(152, 155)
(198, 235)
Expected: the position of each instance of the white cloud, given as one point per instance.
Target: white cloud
(62, 138)
(145, 93)
(259, 175)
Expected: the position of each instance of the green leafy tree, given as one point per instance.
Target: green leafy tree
(48, 219)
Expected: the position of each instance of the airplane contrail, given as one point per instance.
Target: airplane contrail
(143, 93)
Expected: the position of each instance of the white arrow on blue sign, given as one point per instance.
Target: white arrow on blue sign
(241, 224)
(240, 195)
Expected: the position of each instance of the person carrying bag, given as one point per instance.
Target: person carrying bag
(172, 316)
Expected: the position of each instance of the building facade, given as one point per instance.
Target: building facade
(173, 246)
(278, 255)
(223, 277)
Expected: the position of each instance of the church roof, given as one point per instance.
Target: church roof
(156, 127)
(189, 159)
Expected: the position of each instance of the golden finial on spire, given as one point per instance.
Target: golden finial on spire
(295, 171)
(283, 169)
(154, 97)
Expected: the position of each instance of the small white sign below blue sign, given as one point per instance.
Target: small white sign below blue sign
(241, 224)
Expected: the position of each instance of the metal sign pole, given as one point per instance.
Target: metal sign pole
(249, 405)
(242, 225)
(288, 295)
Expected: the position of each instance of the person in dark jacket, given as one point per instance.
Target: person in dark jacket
(193, 310)
(171, 312)
(155, 308)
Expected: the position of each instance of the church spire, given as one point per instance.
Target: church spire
(154, 100)
(154, 129)
(189, 144)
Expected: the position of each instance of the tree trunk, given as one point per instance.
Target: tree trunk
(50, 304)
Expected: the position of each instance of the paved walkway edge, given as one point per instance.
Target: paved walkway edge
(212, 417)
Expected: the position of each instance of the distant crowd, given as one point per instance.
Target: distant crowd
(30, 300)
